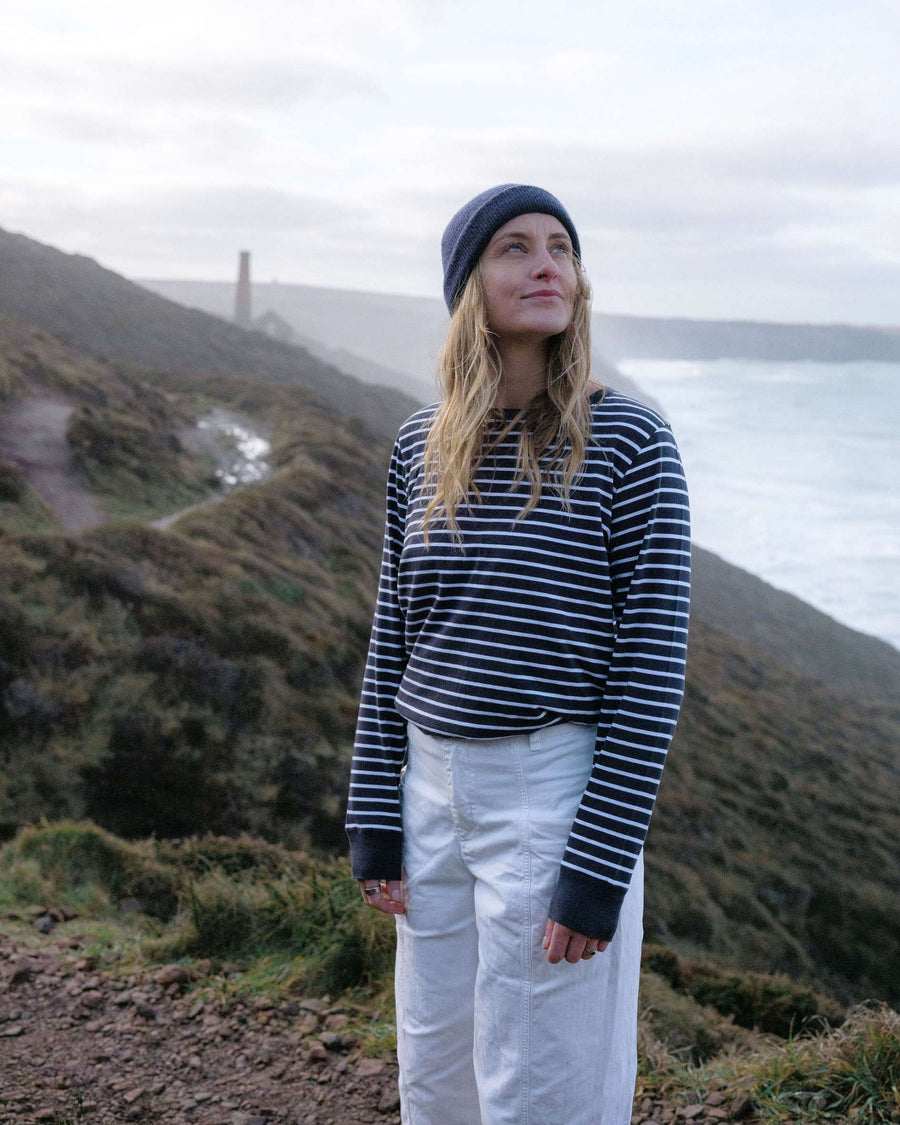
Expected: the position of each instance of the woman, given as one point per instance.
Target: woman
(526, 667)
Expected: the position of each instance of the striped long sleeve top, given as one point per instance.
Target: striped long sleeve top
(562, 616)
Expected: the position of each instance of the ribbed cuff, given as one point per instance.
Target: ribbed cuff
(586, 905)
(375, 853)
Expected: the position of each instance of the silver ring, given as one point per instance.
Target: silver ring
(372, 890)
(589, 953)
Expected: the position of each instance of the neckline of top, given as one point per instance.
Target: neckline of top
(511, 411)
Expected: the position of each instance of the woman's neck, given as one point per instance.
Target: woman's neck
(523, 372)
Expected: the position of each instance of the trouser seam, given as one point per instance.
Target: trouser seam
(526, 940)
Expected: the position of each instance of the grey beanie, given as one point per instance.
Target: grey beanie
(474, 225)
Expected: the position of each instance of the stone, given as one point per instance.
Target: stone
(389, 1101)
(313, 1005)
(22, 969)
(368, 1068)
(172, 974)
(307, 1024)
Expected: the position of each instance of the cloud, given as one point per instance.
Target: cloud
(249, 83)
(87, 127)
(750, 185)
(710, 152)
(246, 83)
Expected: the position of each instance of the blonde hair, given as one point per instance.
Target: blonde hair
(469, 375)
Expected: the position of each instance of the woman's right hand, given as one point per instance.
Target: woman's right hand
(385, 895)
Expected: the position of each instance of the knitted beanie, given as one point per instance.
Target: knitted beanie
(474, 225)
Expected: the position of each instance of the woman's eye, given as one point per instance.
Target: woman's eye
(514, 246)
(561, 246)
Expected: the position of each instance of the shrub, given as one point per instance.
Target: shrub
(245, 856)
(319, 920)
(159, 778)
(71, 855)
(677, 1026)
(849, 1074)
(769, 1003)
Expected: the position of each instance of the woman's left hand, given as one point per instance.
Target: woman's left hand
(561, 942)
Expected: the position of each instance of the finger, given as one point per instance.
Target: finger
(396, 893)
(594, 947)
(376, 896)
(369, 888)
(575, 948)
(548, 929)
(558, 943)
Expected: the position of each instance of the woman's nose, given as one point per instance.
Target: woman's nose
(545, 265)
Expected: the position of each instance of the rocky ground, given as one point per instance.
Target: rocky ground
(83, 1039)
(83, 1042)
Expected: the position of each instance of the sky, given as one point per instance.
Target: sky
(719, 159)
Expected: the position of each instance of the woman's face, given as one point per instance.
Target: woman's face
(529, 278)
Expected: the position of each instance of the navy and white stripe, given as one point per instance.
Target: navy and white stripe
(577, 616)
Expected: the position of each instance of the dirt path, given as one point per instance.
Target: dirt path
(82, 1043)
(33, 439)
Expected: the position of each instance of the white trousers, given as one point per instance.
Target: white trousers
(488, 1031)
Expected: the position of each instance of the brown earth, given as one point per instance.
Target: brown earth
(33, 440)
(84, 1040)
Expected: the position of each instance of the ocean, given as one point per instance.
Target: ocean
(794, 474)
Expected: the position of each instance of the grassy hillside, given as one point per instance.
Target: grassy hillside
(200, 677)
(206, 678)
(775, 838)
(791, 632)
(97, 312)
(123, 432)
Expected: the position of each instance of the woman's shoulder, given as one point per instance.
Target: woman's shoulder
(414, 429)
(614, 410)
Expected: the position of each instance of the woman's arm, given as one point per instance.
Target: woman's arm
(373, 809)
(650, 553)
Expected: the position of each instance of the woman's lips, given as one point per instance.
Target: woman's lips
(542, 293)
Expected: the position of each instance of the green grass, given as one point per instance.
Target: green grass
(849, 1074)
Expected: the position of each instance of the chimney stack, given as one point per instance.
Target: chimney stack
(242, 303)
